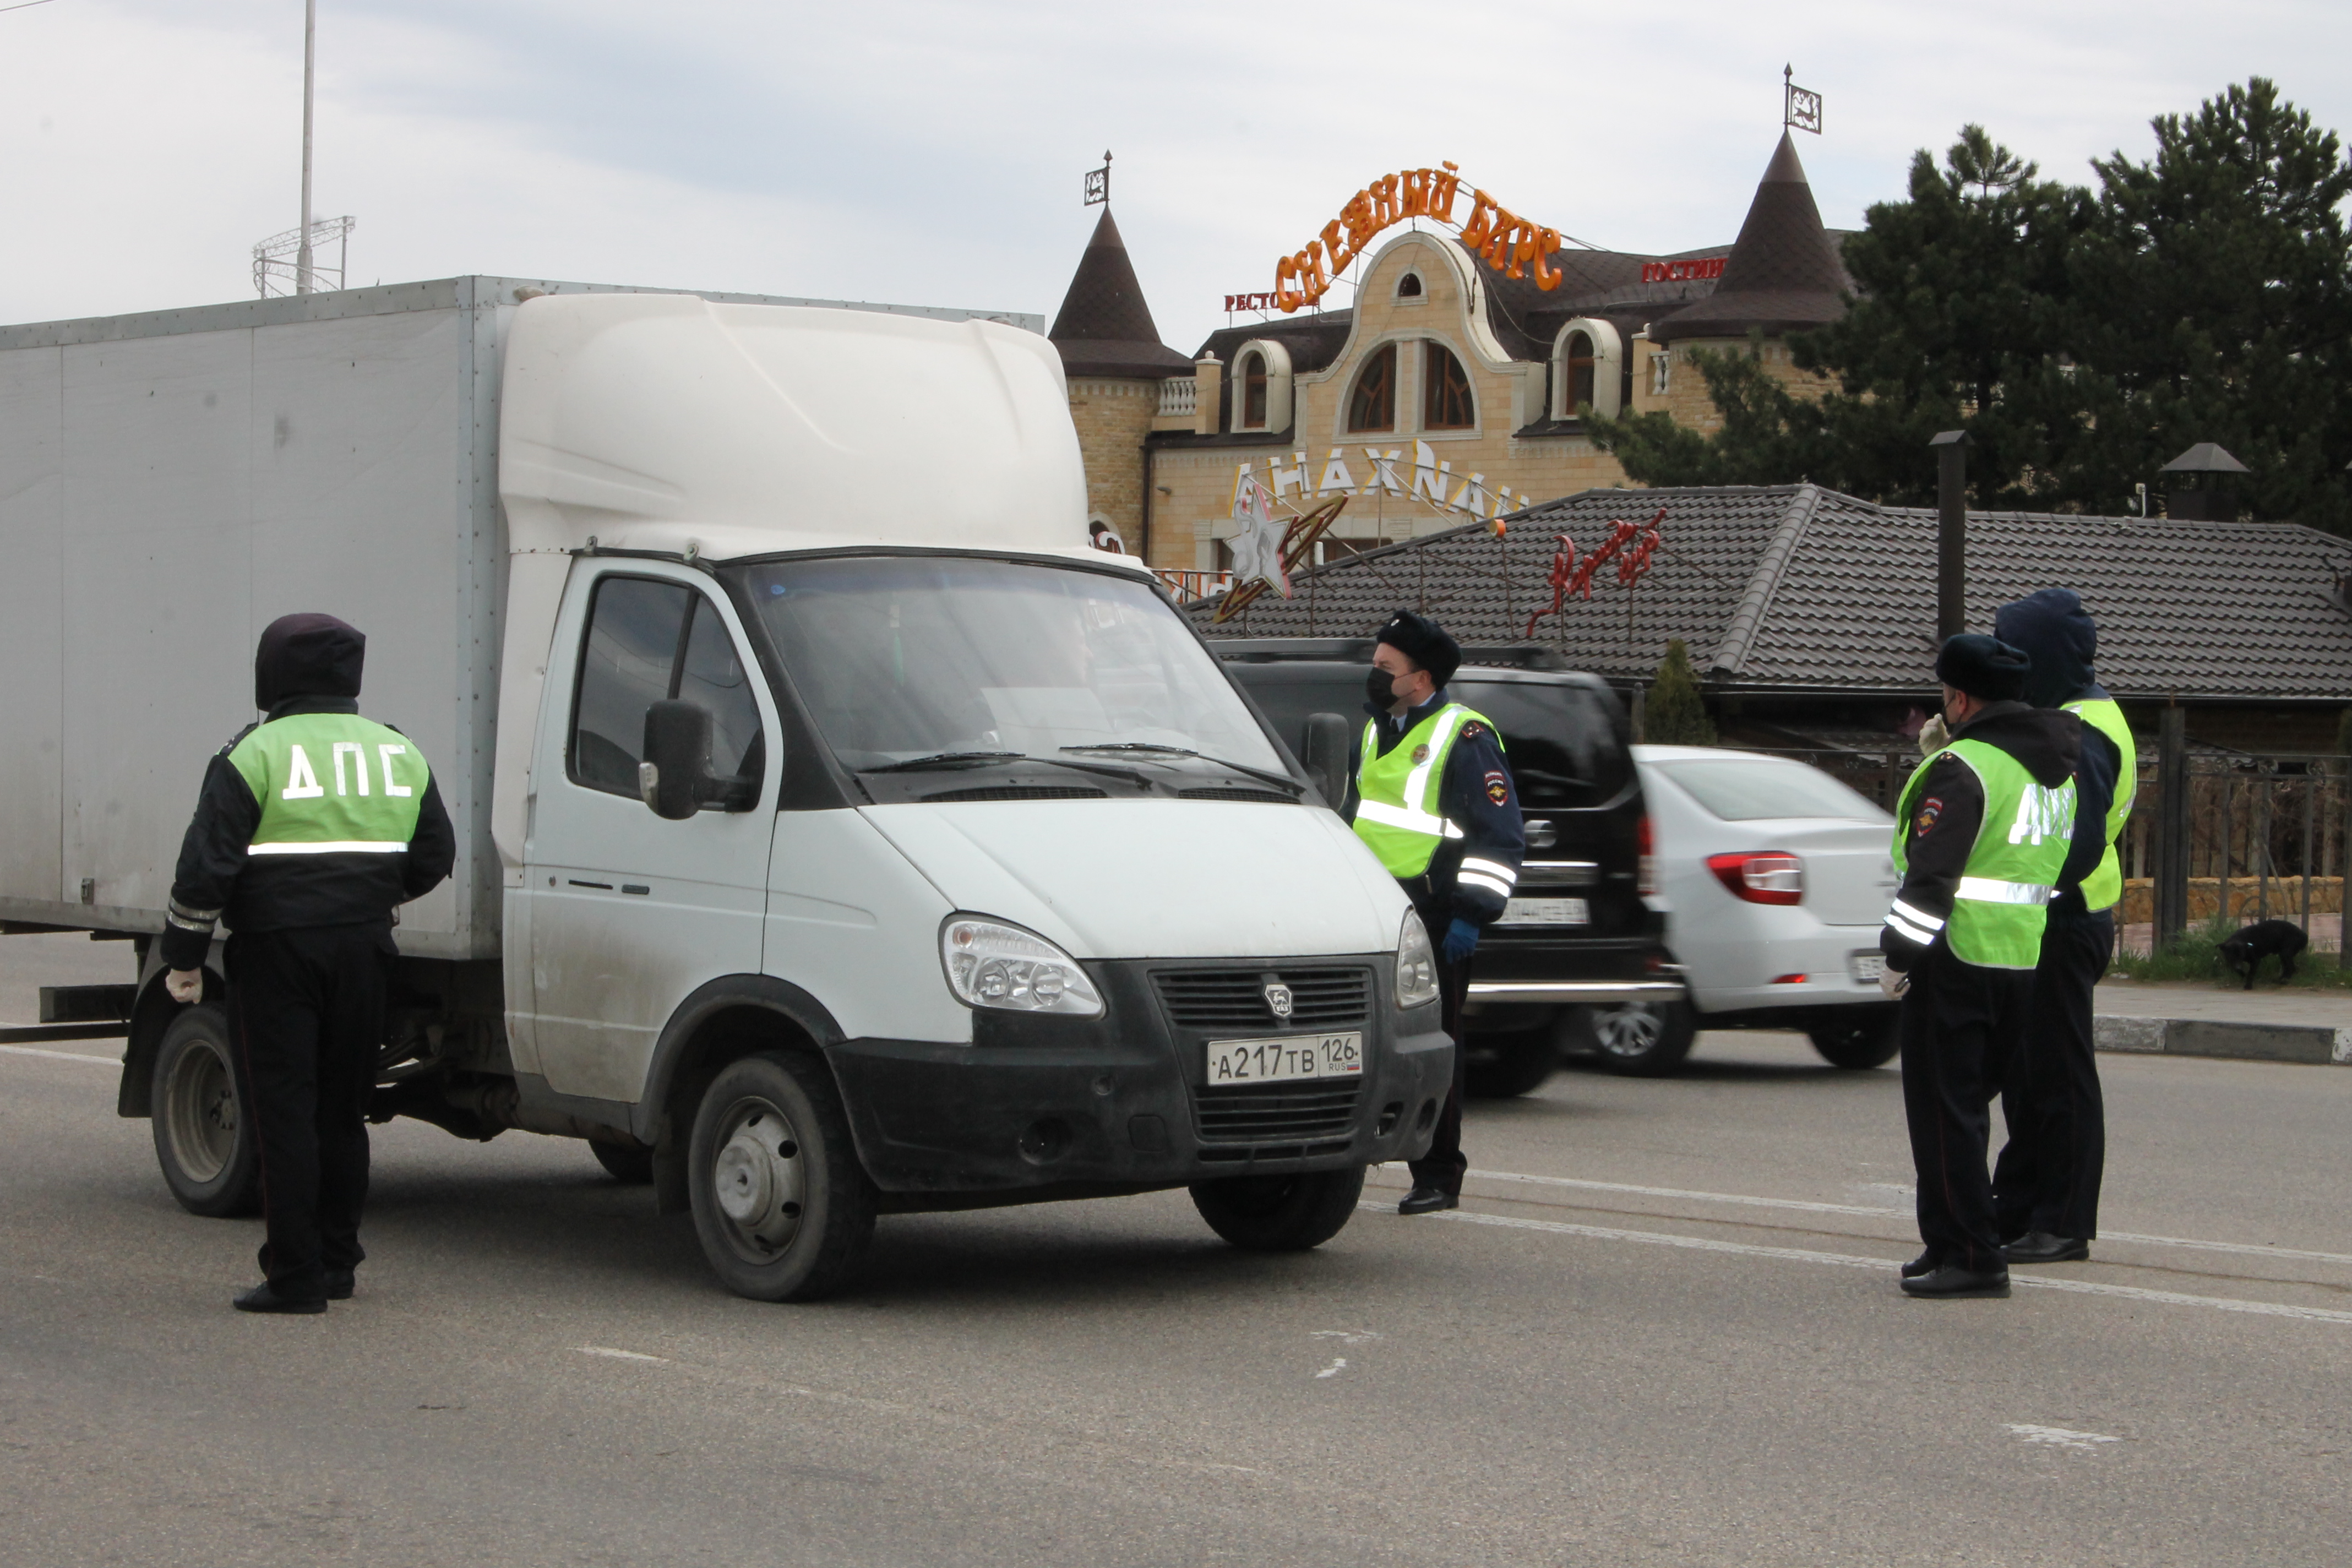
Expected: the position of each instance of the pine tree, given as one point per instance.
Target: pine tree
(1674, 714)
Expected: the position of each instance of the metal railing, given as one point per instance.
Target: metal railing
(1180, 396)
(1188, 587)
(2253, 837)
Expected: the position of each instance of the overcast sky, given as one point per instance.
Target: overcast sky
(931, 154)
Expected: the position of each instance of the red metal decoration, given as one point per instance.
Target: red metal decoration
(1631, 545)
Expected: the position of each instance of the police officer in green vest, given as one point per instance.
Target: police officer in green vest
(312, 828)
(1436, 802)
(1980, 833)
(2046, 1182)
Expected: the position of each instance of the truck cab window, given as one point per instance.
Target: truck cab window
(647, 641)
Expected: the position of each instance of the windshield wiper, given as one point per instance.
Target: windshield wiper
(942, 760)
(1280, 780)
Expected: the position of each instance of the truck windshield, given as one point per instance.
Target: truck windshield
(905, 658)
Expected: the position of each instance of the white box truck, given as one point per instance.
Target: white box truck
(837, 833)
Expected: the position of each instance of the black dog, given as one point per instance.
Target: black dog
(2244, 951)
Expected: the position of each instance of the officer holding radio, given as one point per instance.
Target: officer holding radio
(1436, 802)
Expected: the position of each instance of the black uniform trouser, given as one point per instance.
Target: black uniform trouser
(1960, 1022)
(1443, 1166)
(2047, 1177)
(306, 1010)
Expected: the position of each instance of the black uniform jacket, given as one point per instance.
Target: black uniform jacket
(1948, 808)
(215, 882)
(1478, 794)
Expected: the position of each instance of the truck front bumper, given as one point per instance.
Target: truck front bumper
(1118, 1103)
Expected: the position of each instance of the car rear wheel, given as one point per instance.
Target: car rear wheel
(1504, 1065)
(1280, 1214)
(1642, 1039)
(204, 1140)
(1867, 1038)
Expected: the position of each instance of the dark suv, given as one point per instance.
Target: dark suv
(1578, 962)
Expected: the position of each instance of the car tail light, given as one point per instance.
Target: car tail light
(1648, 864)
(1761, 877)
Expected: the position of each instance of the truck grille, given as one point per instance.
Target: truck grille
(1276, 1113)
(1227, 999)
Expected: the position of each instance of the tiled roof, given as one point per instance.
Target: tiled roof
(1796, 588)
(1104, 327)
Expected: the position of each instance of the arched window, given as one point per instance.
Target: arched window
(1253, 390)
(1578, 364)
(1373, 406)
(1446, 403)
(1409, 286)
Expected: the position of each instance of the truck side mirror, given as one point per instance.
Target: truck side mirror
(674, 777)
(1327, 756)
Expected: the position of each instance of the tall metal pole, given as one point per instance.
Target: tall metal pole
(2172, 841)
(1951, 533)
(309, 71)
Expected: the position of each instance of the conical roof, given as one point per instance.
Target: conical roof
(1104, 327)
(1783, 273)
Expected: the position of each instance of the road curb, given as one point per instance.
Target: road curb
(2208, 1038)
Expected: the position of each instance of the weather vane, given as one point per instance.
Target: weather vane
(1799, 109)
(1098, 183)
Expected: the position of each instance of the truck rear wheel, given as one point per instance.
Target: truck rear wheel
(1280, 1214)
(204, 1141)
(784, 1209)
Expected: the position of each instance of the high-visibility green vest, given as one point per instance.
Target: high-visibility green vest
(331, 783)
(2004, 893)
(2103, 888)
(1396, 808)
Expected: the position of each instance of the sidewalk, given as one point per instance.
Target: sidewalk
(2189, 1018)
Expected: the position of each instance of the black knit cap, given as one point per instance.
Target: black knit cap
(1424, 642)
(1983, 666)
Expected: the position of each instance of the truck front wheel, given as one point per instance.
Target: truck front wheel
(1280, 1214)
(204, 1141)
(784, 1209)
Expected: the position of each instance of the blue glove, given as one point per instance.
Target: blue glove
(1461, 940)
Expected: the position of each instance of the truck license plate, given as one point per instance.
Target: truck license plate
(1298, 1056)
(1545, 912)
(1867, 965)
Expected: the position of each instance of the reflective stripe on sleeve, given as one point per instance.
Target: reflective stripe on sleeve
(1483, 882)
(1919, 918)
(333, 846)
(1908, 931)
(1990, 891)
(1493, 868)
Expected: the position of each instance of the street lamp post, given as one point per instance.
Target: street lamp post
(309, 67)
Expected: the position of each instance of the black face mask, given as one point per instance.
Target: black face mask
(1380, 686)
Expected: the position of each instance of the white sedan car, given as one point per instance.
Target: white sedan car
(1777, 878)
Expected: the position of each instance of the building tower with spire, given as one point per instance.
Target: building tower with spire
(1783, 275)
(1114, 362)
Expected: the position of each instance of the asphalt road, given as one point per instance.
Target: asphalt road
(1615, 1364)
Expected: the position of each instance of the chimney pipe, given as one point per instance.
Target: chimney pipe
(1951, 533)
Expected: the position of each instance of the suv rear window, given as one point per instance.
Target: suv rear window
(1561, 739)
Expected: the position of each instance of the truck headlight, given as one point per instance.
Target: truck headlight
(1417, 965)
(991, 965)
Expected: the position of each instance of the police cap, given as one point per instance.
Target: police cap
(1983, 666)
(1424, 642)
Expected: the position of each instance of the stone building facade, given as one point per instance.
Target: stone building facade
(1449, 390)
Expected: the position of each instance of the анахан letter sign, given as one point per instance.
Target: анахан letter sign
(1504, 240)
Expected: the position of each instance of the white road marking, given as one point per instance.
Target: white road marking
(2060, 1438)
(1345, 1336)
(1847, 1260)
(61, 1056)
(620, 1355)
(2248, 1249)
(1335, 1369)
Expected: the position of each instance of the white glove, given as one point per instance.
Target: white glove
(1934, 736)
(184, 984)
(1893, 983)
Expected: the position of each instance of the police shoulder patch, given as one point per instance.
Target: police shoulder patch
(1498, 789)
(1473, 730)
(1929, 810)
